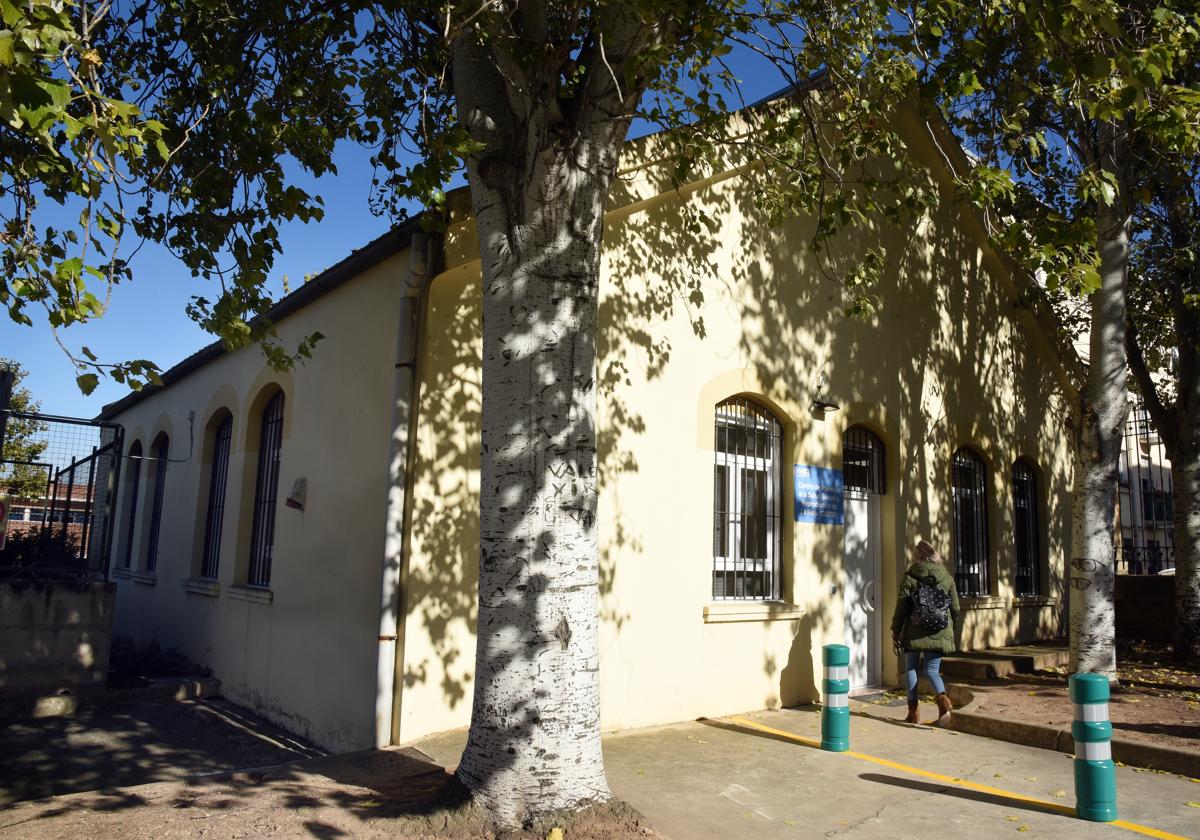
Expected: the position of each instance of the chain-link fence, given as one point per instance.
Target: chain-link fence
(59, 475)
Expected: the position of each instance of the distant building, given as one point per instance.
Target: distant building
(1146, 500)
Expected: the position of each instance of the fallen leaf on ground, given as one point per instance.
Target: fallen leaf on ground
(1022, 828)
(1031, 778)
(1011, 818)
(1059, 794)
(1192, 804)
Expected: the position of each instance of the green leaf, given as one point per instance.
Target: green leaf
(87, 382)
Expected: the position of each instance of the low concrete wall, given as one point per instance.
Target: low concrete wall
(1145, 607)
(54, 637)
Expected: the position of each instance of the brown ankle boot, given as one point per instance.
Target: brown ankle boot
(945, 707)
(913, 717)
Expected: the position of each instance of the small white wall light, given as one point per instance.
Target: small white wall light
(295, 499)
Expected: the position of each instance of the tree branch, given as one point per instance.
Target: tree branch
(1150, 396)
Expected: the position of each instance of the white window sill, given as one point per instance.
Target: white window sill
(143, 576)
(254, 594)
(982, 602)
(1035, 601)
(202, 586)
(720, 612)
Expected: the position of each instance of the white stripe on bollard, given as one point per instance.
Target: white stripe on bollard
(1093, 750)
(1091, 712)
(837, 701)
(837, 672)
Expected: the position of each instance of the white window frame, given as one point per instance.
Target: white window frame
(741, 414)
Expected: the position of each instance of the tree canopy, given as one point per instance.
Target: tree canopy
(23, 447)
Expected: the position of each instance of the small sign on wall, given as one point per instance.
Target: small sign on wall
(4, 503)
(818, 493)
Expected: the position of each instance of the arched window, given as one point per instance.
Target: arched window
(266, 492)
(215, 513)
(862, 460)
(161, 450)
(1027, 533)
(747, 502)
(133, 486)
(969, 481)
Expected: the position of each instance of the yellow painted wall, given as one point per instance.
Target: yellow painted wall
(306, 659)
(689, 317)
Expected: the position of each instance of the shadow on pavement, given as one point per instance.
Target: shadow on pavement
(119, 744)
(972, 795)
(758, 733)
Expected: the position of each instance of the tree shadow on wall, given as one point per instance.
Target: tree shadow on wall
(943, 363)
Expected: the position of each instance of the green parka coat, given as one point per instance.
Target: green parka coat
(912, 635)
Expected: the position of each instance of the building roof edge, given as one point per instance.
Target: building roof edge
(390, 243)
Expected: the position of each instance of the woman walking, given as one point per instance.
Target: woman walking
(923, 627)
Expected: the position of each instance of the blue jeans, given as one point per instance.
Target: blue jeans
(933, 664)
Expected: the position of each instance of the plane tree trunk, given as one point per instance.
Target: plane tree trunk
(1098, 438)
(1185, 474)
(539, 187)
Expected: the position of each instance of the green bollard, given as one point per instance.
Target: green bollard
(1095, 773)
(835, 688)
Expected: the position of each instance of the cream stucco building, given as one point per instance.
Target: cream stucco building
(764, 462)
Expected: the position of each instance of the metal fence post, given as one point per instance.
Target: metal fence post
(1095, 774)
(835, 688)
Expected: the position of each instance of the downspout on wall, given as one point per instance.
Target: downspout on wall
(401, 456)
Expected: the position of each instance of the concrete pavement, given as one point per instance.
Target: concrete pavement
(743, 776)
(714, 781)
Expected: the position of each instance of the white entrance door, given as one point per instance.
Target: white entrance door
(860, 589)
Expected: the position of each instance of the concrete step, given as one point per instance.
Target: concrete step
(1002, 662)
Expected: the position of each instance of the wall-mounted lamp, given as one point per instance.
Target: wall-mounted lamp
(824, 407)
(295, 499)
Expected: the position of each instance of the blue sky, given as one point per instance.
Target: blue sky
(146, 318)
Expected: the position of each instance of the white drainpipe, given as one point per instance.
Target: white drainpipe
(390, 662)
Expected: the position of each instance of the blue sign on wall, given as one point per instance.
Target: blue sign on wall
(818, 495)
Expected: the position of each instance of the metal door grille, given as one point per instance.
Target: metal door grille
(969, 482)
(1027, 534)
(747, 502)
(211, 557)
(160, 482)
(266, 489)
(131, 500)
(862, 461)
(1147, 499)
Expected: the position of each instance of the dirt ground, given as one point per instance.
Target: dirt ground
(1157, 702)
(133, 741)
(371, 796)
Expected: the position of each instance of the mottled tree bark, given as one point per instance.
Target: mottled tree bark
(539, 189)
(1185, 475)
(1098, 438)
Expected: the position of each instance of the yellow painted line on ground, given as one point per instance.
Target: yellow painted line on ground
(951, 780)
